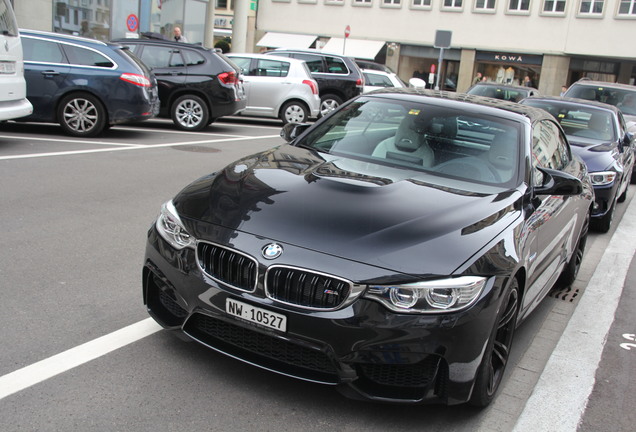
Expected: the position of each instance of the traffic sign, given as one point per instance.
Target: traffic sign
(132, 22)
(347, 31)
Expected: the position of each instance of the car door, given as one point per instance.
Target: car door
(267, 86)
(46, 70)
(550, 226)
(167, 63)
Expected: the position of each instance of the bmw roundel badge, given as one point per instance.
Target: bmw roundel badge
(272, 251)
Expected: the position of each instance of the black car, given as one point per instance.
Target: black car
(390, 249)
(85, 85)
(622, 96)
(339, 78)
(598, 133)
(506, 92)
(196, 85)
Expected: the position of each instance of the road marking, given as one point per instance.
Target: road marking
(74, 357)
(67, 141)
(137, 147)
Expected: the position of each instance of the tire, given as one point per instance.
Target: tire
(493, 364)
(190, 113)
(604, 223)
(571, 270)
(82, 115)
(294, 112)
(328, 103)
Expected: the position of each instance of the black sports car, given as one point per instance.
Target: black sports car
(390, 249)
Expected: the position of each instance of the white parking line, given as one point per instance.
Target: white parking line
(59, 363)
(66, 140)
(136, 147)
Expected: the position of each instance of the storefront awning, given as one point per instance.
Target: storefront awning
(286, 40)
(358, 48)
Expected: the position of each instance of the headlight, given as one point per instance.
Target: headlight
(602, 178)
(446, 295)
(171, 228)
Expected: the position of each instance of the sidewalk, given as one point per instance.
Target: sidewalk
(569, 379)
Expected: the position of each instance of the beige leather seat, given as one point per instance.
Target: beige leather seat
(408, 145)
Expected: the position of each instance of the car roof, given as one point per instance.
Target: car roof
(502, 85)
(162, 42)
(63, 37)
(575, 101)
(592, 83)
(308, 51)
(507, 109)
(265, 57)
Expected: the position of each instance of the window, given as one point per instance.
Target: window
(243, 63)
(519, 6)
(554, 6)
(192, 58)
(391, 3)
(627, 7)
(161, 57)
(485, 5)
(86, 57)
(421, 4)
(377, 80)
(591, 7)
(336, 66)
(362, 2)
(452, 4)
(37, 50)
(314, 62)
(549, 148)
(271, 68)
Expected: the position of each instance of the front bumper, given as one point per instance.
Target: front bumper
(363, 348)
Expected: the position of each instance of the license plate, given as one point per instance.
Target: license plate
(256, 315)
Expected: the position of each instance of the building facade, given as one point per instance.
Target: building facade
(554, 42)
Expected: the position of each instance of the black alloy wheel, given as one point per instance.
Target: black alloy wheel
(81, 115)
(329, 103)
(571, 270)
(495, 359)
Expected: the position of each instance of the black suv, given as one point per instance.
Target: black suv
(196, 85)
(339, 78)
(622, 96)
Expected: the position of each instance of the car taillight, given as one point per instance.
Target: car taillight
(360, 82)
(312, 85)
(228, 77)
(135, 79)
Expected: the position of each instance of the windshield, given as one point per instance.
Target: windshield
(624, 99)
(580, 121)
(439, 141)
(493, 91)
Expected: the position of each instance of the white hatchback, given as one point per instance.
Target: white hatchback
(13, 101)
(278, 87)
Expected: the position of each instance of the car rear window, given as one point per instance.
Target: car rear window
(87, 57)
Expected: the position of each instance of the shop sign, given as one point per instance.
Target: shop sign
(495, 57)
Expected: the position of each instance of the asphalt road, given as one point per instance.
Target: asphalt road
(75, 214)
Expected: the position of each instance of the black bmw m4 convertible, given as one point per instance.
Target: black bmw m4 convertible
(390, 249)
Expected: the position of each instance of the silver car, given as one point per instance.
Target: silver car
(278, 87)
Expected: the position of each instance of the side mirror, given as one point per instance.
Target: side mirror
(417, 83)
(628, 139)
(291, 131)
(558, 183)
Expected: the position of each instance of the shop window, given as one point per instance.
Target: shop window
(627, 8)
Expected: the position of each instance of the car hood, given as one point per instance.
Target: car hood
(355, 210)
(598, 156)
